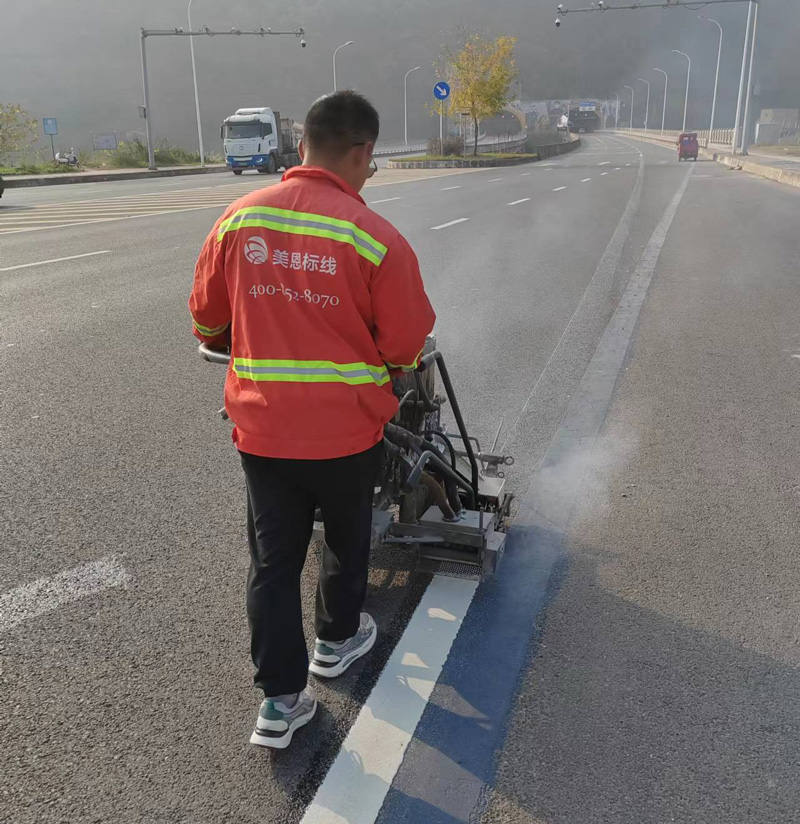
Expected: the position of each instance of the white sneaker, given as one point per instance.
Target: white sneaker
(276, 722)
(332, 659)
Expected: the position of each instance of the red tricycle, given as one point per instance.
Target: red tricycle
(688, 146)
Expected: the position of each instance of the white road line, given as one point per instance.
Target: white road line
(46, 594)
(586, 180)
(560, 189)
(385, 200)
(605, 163)
(515, 202)
(627, 164)
(451, 223)
(617, 168)
(55, 260)
(448, 188)
(603, 174)
(494, 179)
(357, 783)
(524, 173)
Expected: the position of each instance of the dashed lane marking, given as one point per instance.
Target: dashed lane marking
(449, 188)
(385, 200)
(586, 180)
(515, 202)
(125, 207)
(450, 223)
(54, 260)
(560, 189)
(603, 174)
(46, 594)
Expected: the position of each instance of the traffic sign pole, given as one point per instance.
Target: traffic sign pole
(441, 91)
(53, 146)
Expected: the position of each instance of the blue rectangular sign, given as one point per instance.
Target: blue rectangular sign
(50, 125)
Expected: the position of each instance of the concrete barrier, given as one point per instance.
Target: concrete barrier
(541, 153)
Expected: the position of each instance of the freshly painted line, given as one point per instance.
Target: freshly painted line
(449, 768)
(515, 202)
(46, 594)
(55, 260)
(560, 189)
(356, 784)
(385, 200)
(586, 180)
(448, 188)
(451, 223)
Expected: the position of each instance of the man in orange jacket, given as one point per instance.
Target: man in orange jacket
(318, 298)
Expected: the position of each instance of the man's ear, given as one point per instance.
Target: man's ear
(301, 150)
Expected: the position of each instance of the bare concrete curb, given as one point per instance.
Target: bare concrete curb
(104, 177)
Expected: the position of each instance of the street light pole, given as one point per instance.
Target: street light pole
(742, 78)
(348, 43)
(716, 78)
(686, 96)
(405, 102)
(749, 97)
(616, 113)
(647, 106)
(633, 97)
(196, 92)
(664, 107)
(148, 128)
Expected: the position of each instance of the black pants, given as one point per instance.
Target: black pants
(281, 498)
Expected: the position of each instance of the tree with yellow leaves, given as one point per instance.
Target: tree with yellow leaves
(480, 73)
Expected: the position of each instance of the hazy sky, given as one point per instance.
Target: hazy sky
(79, 60)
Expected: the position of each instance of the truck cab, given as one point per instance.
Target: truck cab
(258, 138)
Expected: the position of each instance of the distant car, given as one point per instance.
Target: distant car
(2, 187)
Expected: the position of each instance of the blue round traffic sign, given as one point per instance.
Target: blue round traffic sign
(441, 91)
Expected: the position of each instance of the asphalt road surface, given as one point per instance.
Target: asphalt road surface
(627, 323)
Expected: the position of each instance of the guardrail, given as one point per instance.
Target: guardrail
(386, 151)
(515, 145)
(719, 137)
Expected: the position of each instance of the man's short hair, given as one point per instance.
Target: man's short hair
(339, 121)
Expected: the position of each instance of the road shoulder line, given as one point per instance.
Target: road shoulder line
(448, 771)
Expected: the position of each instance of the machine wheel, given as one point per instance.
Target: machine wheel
(262, 170)
(236, 171)
(272, 165)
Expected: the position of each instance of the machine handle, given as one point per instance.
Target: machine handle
(214, 355)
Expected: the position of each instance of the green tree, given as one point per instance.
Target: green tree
(480, 72)
(17, 129)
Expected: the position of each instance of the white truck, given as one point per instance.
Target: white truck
(260, 139)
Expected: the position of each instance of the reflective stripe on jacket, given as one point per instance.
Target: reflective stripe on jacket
(319, 297)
